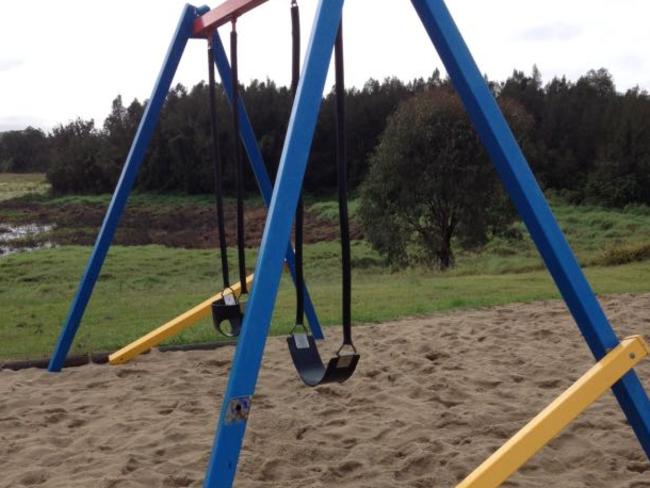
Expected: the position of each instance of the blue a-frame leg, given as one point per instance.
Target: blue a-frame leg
(520, 183)
(124, 185)
(248, 355)
(130, 171)
(513, 171)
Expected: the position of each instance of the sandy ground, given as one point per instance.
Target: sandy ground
(432, 398)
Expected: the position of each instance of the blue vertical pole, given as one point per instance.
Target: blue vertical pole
(124, 185)
(259, 168)
(248, 355)
(520, 183)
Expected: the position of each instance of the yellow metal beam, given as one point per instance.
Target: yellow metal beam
(174, 326)
(560, 413)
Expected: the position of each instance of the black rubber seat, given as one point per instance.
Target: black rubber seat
(229, 308)
(302, 345)
(227, 312)
(309, 364)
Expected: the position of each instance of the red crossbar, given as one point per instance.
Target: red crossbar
(224, 13)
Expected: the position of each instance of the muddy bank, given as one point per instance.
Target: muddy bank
(15, 238)
(188, 226)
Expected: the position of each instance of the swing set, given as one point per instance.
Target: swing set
(615, 358)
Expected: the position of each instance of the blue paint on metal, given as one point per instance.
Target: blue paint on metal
(498, 140)
(248, 356)
(520, 183)
(124, 185)
(259, 168)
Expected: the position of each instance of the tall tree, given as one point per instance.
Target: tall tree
(119, 130)
(23, 151)
(622, 172)
(430, 184)
(75, 164)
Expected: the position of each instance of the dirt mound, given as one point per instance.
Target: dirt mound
(188, 226)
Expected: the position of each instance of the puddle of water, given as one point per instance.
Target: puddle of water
(11, 233)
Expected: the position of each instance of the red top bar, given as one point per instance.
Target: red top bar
(224, 13)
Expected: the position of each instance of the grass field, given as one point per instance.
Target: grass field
(143, 286)
(14, 185)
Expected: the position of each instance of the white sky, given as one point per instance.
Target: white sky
(69, 58)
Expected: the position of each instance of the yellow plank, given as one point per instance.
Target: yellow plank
(560, 413)
(173, 327)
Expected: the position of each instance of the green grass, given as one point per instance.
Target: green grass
(141, 287)
(162, 200)
(329, 209)
(598, 236)
(15, 185)
(33, 188)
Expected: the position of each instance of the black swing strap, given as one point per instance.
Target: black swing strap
(222, 310)
(302, 346)
(218, 170)
(239, 167)
(299, 219)
(342, 184)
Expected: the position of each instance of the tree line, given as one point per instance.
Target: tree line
(584, 139)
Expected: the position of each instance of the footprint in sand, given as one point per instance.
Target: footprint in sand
(549, 384)
(178, 481)
(126, 373)
(641, 467)
(76, 423)
(131, 465)
(34, 478)
(271, 469)
(55, 418)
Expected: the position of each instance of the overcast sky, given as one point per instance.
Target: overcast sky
(63, 59)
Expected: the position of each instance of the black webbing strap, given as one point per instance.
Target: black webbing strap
(295, 75)
(302, 346)
(218, 170)
(295, 46)
(239, 168)
(342, 180)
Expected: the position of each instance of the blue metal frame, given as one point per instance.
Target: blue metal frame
(125, 184)
(515, 175)
(495, 135)
(250, 348)
(129, 172)
(252, 148)
(520, 183)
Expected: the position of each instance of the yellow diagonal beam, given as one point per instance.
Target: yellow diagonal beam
(560, 413)
(174, 326)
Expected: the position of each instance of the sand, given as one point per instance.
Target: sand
(431, 399)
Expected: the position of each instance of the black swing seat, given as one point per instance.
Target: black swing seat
(310, 367)
(227, 312)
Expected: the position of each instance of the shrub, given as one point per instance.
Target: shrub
(430, 184)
